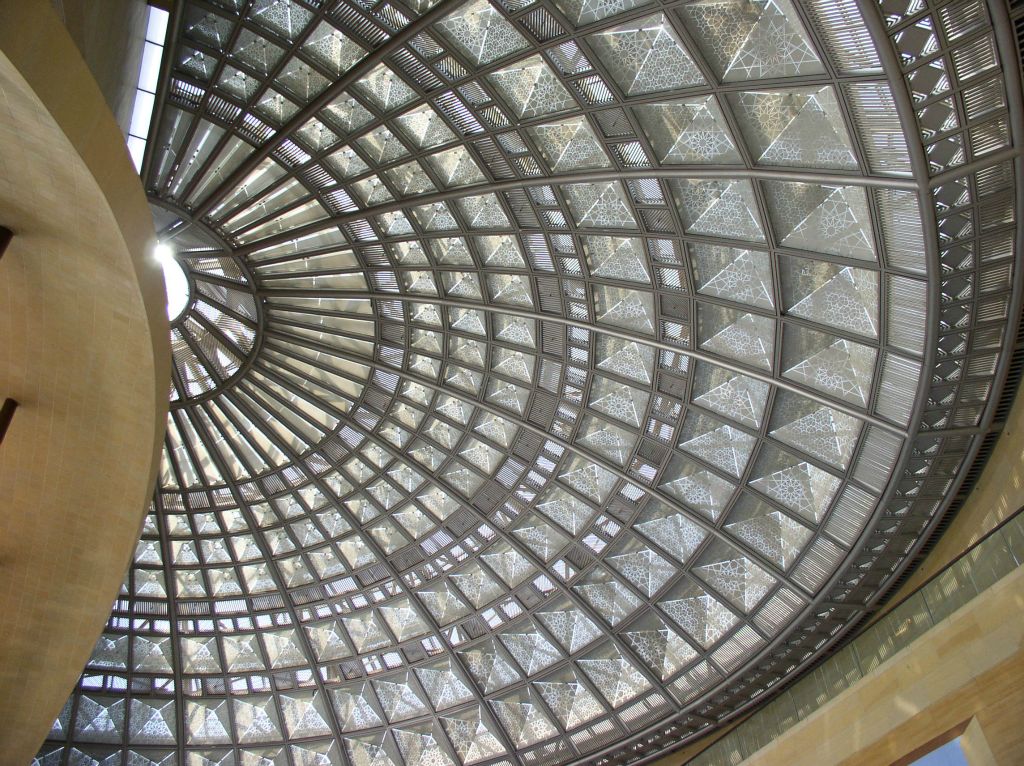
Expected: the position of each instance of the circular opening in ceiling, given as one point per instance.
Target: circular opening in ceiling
(175, 282)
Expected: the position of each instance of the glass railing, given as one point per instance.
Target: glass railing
(987, 561)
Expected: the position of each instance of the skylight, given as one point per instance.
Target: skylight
(175, 281)
(559, 377)
(149, 74)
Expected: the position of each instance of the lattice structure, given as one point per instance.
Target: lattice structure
(561, 377)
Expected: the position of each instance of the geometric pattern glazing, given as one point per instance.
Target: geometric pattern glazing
(556, 373)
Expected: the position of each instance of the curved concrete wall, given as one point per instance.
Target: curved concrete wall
(111, 43)
(84, 349)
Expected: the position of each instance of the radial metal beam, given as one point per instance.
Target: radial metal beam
(207, 432)
(590, 176)
(709, 528)
(396, 574)
(607, 330)
(353, 75)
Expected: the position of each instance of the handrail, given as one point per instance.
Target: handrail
(893, 606)
(1001, 550)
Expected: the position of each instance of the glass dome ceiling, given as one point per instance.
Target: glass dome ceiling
(558, 377)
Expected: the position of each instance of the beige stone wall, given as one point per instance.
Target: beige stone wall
(967, 670)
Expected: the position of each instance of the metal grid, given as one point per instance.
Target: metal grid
(520, 463)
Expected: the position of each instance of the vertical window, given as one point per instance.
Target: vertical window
(145, 92)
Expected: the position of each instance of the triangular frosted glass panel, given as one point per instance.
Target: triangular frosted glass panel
(752, 39)
(646, 56)
(671, 529)
(256, 719)
(661, 648)
(691, 131)
(479, 32)
(490, 667)
(372, 750)
(743, 337)
(509, 564)
(582, 12)
(471, 736)
(625, 308)
(698, 488)
(770, 532)
(821, 219)
(614, 675)
(568, 625)
(617, 258)
(703, 618)
(424, 127)
(618, 400)
(723, 446)
(523, 718)
(718, 208)
(569, 698)
(356, 707)
(568, 511)
(734, 576)
(569, 145)
(836, 296)
(641, 566)
(304, 714)
(403, 619)
(629, 359)
(794, 483)
(800, 127)
(399, 698)
(531, 650)
(477, 584)
(589, 479)
(730, 394)
(732, 273)
(600, 205)
(612, 600)
(384, 89)
(611, 442)
(444, 686)
(419, 744)
(834, 366)
(541, 537)
(531, 88)
(813, 428)
(456, 167)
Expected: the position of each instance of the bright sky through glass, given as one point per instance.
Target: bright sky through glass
(145, 93)
(175, 282)
(950, 754)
